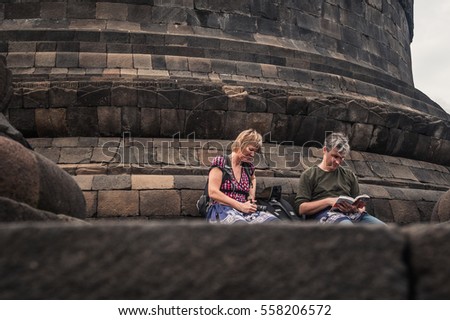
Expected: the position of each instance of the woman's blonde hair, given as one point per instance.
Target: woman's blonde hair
(246, 137)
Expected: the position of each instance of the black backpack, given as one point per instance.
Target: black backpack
(204, 201)
(270, 200)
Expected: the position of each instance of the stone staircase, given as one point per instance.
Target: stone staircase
(154, 178)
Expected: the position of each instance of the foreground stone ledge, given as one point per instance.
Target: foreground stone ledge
(180, 260)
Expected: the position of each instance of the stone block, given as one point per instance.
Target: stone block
(94, 96)
(67, 59)
(176, 63)
(124, 96)
(30, 10)
(172, 122)
(143, 182)
(404, 212)
(199, 65)
(142, 61)
(123, 203)
(401, 172)
(50, 153)
(23, 120)
(53, 10)
(190, 182)
(441, 210)
(160, 203)
(20, 60)
(248, 69)
(84, 181)
(109, 121)
(261, 122)
(188, 202)
(361, 136)
(92, 60)
(119, 60)
(131, 120)
(150, 122)
(191, 243)
(75, 155)
(81, 10)
(112, 11)
(45, 59)
(62, 97)
(82, 121)
(51, 122)
(381, 209)
(139, 13)
(158, 62)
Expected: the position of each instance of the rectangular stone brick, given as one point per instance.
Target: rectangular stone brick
(142, 61)
(199, 65)
(23, 120)
(45, 59)
(20, 60)
(65, 142)
(88, 24)
(53, 10)
(22, 10)
(188, 202)
(143, 182)
(84, 181)
(112, 11)
(92, 60)
(118, 60)
(248, 69)
(124, 96)
(116, 203)
(176, 63)
(75, 155)
(160, 203)
(405, 212)
(66, 59)
(111, 182)
(50, 153)
(109, 120)
(40, 142)
(103, 154)
(51, 122)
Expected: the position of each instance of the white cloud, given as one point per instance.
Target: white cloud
(430, 50)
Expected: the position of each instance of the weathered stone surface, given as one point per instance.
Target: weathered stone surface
(13, 211)
(42, 185)
(429, 259)
(160, 253)
(441, 210)
(17, 162)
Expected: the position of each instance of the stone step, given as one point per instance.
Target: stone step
(163, 178)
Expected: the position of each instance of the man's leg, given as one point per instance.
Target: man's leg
(367, 218)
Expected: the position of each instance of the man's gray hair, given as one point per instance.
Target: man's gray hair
(339, 141)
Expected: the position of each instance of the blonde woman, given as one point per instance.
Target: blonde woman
(232, 184)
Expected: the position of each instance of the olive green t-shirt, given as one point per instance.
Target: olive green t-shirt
(316, 184)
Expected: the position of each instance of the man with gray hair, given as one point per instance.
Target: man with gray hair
(321, 185)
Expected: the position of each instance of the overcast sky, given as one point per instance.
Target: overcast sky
(431, 50)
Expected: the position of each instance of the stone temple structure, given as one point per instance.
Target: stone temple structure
(133, 98)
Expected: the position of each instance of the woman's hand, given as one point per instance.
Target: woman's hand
(248, 207)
